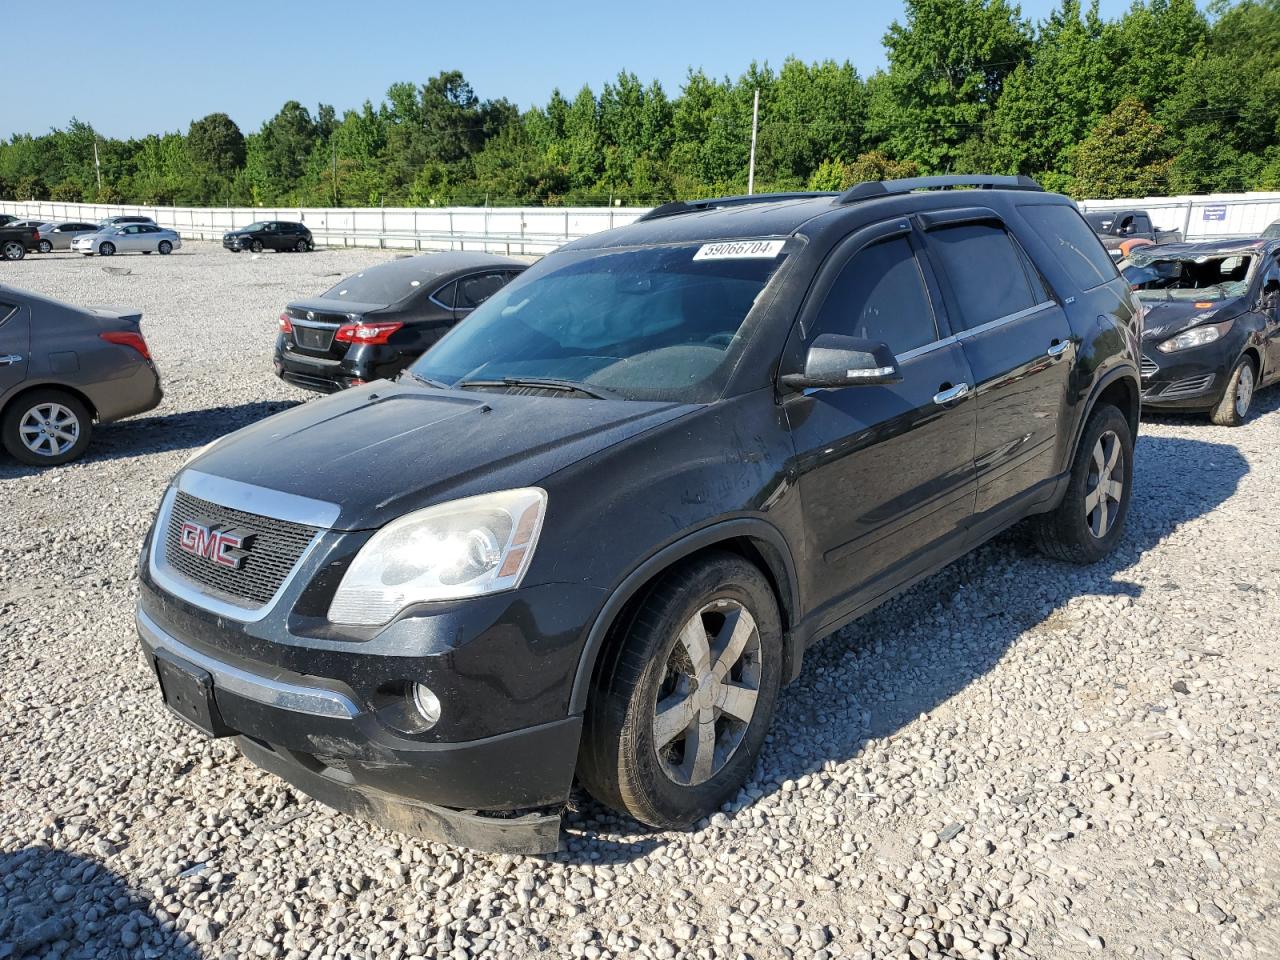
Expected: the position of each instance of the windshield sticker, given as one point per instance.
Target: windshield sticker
(740, 250)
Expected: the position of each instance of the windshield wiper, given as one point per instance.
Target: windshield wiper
(547, 383)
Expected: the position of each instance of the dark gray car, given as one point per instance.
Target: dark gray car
(64, 367)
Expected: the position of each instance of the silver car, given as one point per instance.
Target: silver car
(131, 238)
(58, 236)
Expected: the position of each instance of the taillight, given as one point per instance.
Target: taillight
(286, 325)
(37, 236)
(126, 339)
(366, 332)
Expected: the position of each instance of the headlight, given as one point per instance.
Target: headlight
(463, 548)
(1195, 337)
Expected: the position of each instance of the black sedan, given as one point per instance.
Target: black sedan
(62, 368)
(1212, 329)
(374, 324)
(279, 235)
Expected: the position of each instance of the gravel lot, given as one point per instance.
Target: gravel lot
(1015, 759)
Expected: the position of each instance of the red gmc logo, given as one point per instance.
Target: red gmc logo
(226, 548)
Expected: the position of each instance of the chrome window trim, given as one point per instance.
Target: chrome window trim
(250, 499)
(927, 348)
(1007, 318)
(316, 701)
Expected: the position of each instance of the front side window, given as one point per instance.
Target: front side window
(642, 323)
(985, 271)
(880, 295)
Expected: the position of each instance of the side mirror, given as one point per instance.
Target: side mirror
(838, 361)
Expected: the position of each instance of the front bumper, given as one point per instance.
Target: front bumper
(1191, 379)
(231, 243)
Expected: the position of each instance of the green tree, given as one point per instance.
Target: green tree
(216, 144)
(1125, 155)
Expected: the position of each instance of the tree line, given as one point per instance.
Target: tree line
(1164, 99)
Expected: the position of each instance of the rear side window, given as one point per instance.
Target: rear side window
(473, 291)
(1076, 247)
(444, 296)
(985, 272)
(880, 295)
(6, 311)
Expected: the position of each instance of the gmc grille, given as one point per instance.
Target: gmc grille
(272, 553)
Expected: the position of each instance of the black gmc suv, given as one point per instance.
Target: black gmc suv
(590, 533)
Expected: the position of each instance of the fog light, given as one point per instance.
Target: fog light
(428, 703)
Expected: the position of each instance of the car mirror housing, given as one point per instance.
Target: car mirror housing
(833, 360)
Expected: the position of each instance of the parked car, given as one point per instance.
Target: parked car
(17, 240)
(1123, 231)
(1212, 335)
(124, 219)
(1272, 232)
(58, 236)
(6, 218)
(374, 324)
(590, 533)
(33, 224)
(129, 238)
(270, 235)
(64, 367)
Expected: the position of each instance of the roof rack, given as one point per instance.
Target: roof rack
(881, 188)
(677, 207)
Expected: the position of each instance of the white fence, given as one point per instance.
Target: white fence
(512, 230)
(536, 230)
(1211, 216)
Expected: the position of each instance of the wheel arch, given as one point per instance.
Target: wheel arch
(1120, 388)
(755, 540)
(28, 388)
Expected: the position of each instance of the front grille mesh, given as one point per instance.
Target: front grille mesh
(272, 553)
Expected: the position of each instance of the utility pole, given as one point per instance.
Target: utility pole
(755, 123)
(335, 168)
(97, 164)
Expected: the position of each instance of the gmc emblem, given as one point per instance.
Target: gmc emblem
(226, 548)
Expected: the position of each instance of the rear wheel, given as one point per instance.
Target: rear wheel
(683, 703)
(46, 428)
(12, 250)
(1089, 521)
(300, 246)
(45, 246)
(1233, 408)
(165, 248)
(107, 249)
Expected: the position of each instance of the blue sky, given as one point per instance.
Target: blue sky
(133, 68)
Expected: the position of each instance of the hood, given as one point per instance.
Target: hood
(386, 449)
(1164, 318)
(329, 305)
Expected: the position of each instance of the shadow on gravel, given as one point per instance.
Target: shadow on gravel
(160, 434)
(59, 904)
(943, 634)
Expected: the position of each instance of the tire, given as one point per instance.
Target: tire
(44, 246)
(256, 246)
(672, 779)
(1088, 523)
(165, 248)
(300, 246)
(13, 250)
(107, 249)
(25, 425)
(1233, 409)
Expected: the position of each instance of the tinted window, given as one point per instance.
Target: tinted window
(1076, 247)
(1141, 223)
(6, 310)
(880, 295)
(984, 270)
(446, 293)
(473, 291)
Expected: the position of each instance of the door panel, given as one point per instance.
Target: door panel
(15, 345)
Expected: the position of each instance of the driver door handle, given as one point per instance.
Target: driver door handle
(1058, 347)
(10, 360)
(951, 394)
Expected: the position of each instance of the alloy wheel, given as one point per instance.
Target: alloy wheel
(1105, 485)
(13, 250)
(1244, 390)
(708, 696)
(49, 429)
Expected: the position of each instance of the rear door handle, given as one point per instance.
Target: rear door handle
(10, 360)
(1058, 347)
(951, 394)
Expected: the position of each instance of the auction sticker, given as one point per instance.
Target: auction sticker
(740, 250)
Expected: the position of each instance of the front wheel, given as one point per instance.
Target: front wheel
(12, 250)
(107, 249)
(1233, 408)
(685, 695)
(165, 248)
(46, 428)
(1089, 521)
(256, 246)
(44, 246)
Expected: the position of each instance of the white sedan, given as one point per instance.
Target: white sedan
(129, 238)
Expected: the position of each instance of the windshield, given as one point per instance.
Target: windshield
(651, 323)
(254, 226)
(1101, 222)
(1208, 277)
